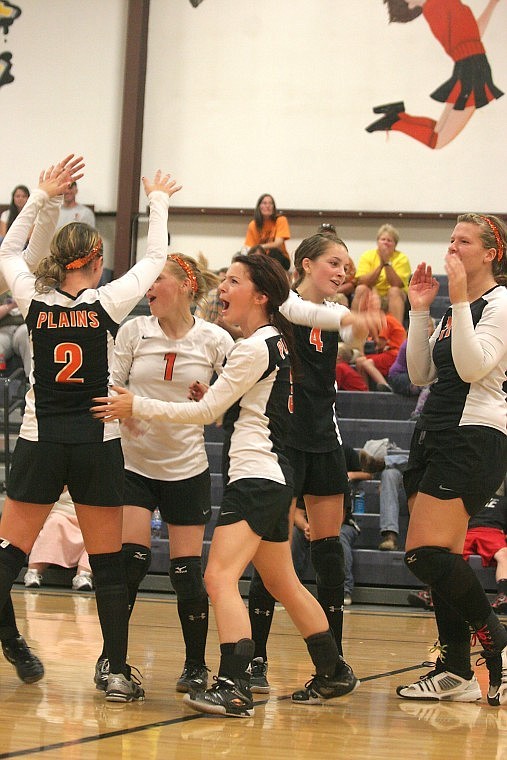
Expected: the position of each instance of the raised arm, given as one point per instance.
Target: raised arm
(13, 259)
(353, 327)
(120, 296)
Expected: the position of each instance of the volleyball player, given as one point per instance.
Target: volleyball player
(315, 452)
(28, 666)
(458, 452)
(72, 324)
(166, 464)
(254, 392)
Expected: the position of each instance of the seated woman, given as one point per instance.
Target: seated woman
(60, 542)
(268, 228)
(376, 366)
(385, 270)
(18, 199)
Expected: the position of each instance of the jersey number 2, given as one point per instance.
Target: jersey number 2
(71, 355)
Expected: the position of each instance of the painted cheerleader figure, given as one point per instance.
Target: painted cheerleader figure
(471, 85)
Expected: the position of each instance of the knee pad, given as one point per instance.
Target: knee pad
(258, 592)
(328, 562)
(186, 576)
(137, 560)
(108, 569)
(430, 563)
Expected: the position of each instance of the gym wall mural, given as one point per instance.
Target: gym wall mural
(471, 85)
(8, 15)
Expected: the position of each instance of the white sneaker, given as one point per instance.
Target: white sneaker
(82, 582)
(33, 579)
(442, 686)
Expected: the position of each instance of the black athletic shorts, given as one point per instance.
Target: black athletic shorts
(318, 473)
(93, 472)
(181, 502)
(263, 503)
(467, 462)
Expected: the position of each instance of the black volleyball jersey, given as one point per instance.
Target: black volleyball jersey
(72, 337)
(470, 343)
(313, 424)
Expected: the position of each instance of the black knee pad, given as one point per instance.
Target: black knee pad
(11, 557)
(137, 560)
(430, 563)
(259, 593)
(328, 562)
(108, 569)
(186, 576)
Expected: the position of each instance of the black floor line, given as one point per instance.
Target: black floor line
(171, 722)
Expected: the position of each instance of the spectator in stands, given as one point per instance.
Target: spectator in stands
(386, 270)
(345, 292)
(375, 366)
(18, 199)
(14, 334)
(60, 542)
(72, 211)
(348, 378)
(398, 377)
(268, 228)
(392, 500)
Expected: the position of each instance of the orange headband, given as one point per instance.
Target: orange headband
(84, 260)
(188, 271)
(496, 233)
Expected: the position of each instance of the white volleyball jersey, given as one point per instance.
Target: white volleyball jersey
(253, 392)
(154, 365)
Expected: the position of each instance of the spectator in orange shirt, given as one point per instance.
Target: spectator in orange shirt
(376, 366)
(268, 228)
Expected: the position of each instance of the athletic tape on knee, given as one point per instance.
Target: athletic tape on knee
(186, 577)
(430, 563)
(137, 560)
(328, 562)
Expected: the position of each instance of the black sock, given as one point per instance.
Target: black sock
(454, 638)
(8, 627)
(12, 560)
(111, 596)
(261, 606)
(324, 652)
(502, 586)
(331, 601)
(193, 614)
(235, 660)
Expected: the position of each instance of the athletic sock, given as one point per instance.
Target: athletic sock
(261, 606)
(111, 596)
(194, 616)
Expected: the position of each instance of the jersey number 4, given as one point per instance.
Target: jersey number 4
(71, 355)
(316, 339)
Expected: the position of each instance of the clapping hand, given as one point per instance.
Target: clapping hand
(423, 288)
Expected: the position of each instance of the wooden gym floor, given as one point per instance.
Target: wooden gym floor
(64, 717)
